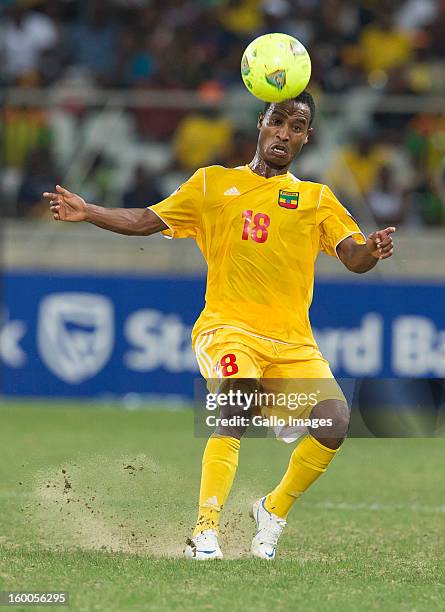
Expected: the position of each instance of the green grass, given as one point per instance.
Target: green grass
(98, 502)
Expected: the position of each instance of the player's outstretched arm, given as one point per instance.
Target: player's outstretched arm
(363, 257)
(67, 206)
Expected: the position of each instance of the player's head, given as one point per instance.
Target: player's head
(284, 128)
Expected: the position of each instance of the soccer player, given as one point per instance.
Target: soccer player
(260, 230)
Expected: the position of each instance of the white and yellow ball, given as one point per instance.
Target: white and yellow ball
(275, 67)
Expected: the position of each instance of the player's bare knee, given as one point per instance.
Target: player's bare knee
(234, 417)
(333, 418)
(340, 422)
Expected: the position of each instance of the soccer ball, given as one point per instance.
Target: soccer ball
(275, 67)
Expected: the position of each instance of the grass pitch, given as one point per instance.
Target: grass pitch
(98, 502)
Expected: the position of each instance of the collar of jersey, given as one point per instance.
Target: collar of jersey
(279, 177)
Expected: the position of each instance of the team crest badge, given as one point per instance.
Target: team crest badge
(288, 199)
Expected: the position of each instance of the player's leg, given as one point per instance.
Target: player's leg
(220, 458)
(312, 456)
(238, 369)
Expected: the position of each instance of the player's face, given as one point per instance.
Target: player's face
(284, 129)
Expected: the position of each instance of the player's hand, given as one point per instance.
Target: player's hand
(66, 206)
(380, 244)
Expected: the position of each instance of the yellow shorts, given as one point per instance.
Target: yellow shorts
(277, 366)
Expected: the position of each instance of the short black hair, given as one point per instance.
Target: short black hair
(305, 98)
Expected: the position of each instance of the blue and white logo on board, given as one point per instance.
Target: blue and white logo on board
(75, 334)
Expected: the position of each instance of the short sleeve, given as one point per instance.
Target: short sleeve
(335, 223)
(182, 210)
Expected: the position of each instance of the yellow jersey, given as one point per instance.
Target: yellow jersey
(260, 238)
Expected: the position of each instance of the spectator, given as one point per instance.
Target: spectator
(38, 177)
(242, 149)
(22, 130)
(356, 167)
(137, 64)
(439, 183)
(425, 140)
(413, 15)
(201, 138)
(430, 195)
(382, 46)
(24, 36)
(241, 16)
(143, 190)
(93, 41)
(387, 200)
(435, 31)
(99, 183)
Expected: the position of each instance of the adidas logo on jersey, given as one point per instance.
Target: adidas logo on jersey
(232, 191)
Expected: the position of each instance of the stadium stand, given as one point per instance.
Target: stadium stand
(153, 87)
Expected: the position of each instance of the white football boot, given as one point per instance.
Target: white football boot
(203, 546)
(269, 528)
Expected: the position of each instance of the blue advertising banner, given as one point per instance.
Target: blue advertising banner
(72, 335)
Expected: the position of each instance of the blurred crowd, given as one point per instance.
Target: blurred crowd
(394, 164)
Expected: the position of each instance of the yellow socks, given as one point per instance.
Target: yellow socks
(219, 464)
(308, 461)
